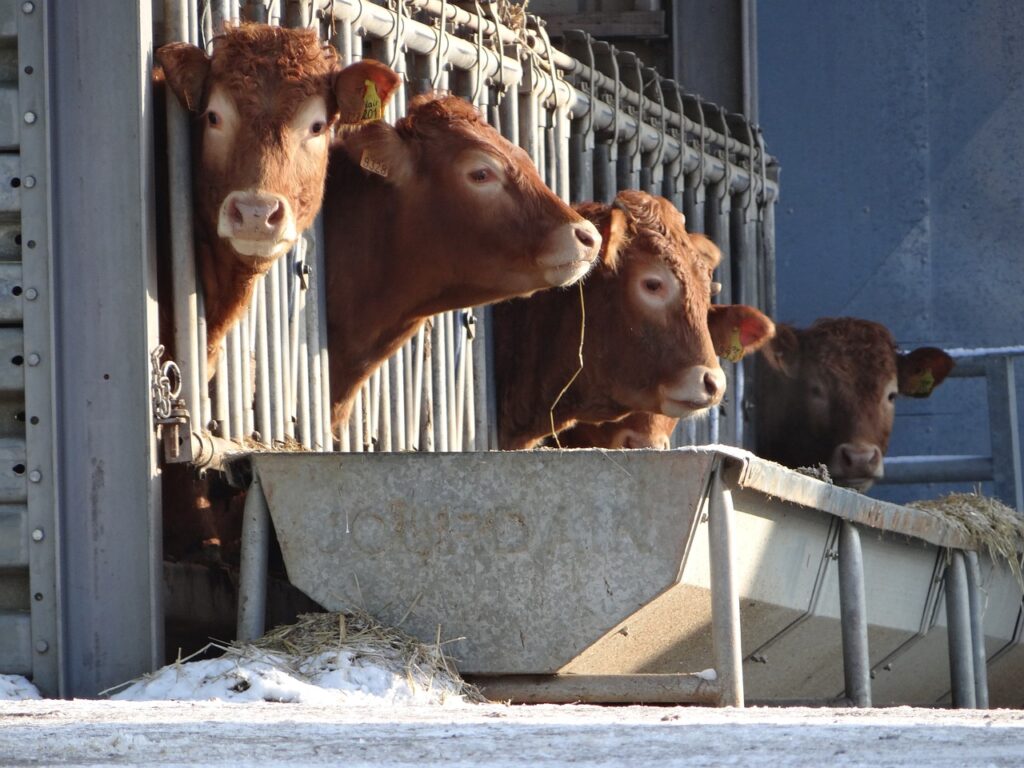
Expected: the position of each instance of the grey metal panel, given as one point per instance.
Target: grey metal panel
(13, 361)
(13, 471)
(105, 327)
(15, 643)
(10, 184)
(10, 118)
(13, 538)
(11, 293)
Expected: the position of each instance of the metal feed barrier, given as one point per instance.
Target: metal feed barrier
(1003, 464)
(593, 119)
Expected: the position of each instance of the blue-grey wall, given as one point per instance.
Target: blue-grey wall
(900, 130)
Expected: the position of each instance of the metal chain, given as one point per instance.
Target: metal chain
(165, 383)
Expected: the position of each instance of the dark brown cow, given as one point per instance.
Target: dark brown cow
(265, 101)
(650, 341)
(827, 395)
(435, 213)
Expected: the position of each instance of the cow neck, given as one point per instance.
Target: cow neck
(228, 284)
(372, 297)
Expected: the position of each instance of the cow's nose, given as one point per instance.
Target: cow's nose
(255, 215)
(711, 385)
(860, 459)
(585, 237)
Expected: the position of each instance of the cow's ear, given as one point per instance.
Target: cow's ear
(613, 237)
(379, 150)
(922, 370)
(363, 90)
(185, 69)
(783, 352)
(737, 329)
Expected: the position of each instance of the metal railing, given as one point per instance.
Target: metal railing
(593, 119)
(1003, 465)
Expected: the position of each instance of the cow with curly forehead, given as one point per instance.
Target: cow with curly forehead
(651, 340)
(264, 105)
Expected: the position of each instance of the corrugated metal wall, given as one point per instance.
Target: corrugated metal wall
(899, 128)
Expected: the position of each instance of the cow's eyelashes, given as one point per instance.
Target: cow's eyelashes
(653, 284)
(213, 119)
(481, 175)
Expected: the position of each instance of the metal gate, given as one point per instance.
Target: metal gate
(593, 119)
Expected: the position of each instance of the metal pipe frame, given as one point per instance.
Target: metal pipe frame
(853, 617)
(958, 628)
(725, 606)
(977, 608)
(254, 563)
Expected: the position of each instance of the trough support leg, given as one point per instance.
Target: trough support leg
(854, 617)
(977, 630)
(252, 576)
(958, 623)
(725, 606)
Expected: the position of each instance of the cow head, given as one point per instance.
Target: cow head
(651, 292)
(829, 395)
(264, 106)
(472, 206)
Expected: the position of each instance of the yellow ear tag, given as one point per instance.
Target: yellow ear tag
(922, 384)
(373, 109)
(367, 162)
(735, 351)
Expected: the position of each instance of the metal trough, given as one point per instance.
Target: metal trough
(617, 575)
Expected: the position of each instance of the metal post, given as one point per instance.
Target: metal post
(977, 630)
(253, 563)
(853, 615)
(725, 606)
(1004, 427)
(958, 628)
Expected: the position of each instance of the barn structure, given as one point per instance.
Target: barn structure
(85, 594)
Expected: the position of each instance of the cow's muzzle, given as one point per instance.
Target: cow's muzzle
(698, 388)
(856, 465)
(570, 252)
(258, 224)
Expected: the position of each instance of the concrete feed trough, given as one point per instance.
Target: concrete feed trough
(595, 568)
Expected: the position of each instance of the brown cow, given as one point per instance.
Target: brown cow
(650, 341)
(435, 213)
(265, 101)
(827, 395)
(637, 430)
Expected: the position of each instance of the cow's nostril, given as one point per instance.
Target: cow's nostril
(585, 237)
(235, 214)
(276, 214)
(710, 384)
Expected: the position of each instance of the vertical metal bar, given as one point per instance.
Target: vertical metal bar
(384, 420)
(372, 416)
(958, 627)
(284, 268)
(205, 409)
(469, 427)
(460, 387)
(421, 361)
(977, 609)
(253, 563)
(428, 424)
(221, 13)
(725, 607)
(854, 617)
(411, 427)
(236, 393)
(264, 420)
(295, 303)
(439, 381)
(317, 301)
(1004, 427)
(481, 383)
(222, 414)
(768, 248)
(248, 389)
(272, 289)
(450, 380)
(398, 400)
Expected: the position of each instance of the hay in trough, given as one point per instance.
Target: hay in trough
(818, 472)
(988, 523)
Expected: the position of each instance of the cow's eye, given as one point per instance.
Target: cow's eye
(716, 288)
(212, 118)
(653, 284)
(318, 127)
(816, 390)
(481, 175)
(892, 397)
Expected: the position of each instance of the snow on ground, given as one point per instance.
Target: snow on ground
(73, 733)
(330, 678)
(16, 688)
